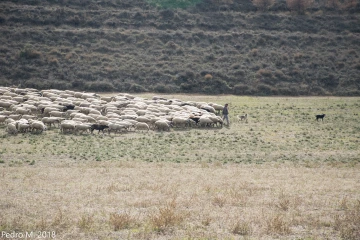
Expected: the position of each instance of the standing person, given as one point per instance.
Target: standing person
(225, 113)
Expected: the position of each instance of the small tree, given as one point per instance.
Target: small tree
(332, 4)
(299, 6)
(173, 3)
(263, 5)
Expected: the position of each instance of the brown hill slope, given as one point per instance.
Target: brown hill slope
(128, 45)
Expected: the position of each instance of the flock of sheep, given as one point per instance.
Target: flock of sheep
(31, 110)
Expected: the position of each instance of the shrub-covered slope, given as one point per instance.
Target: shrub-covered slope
(212, 47)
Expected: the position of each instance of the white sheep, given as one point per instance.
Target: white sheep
(51, 120)
(205, 121)
(11, 128)
(180, 121)
(15, 116)
(22, 126)
(142, 126)
(2, 119)
(38, 126)
(162, 125)
(217, 107)
(116, 127)
(82, 127)
(67, 125)
(142, 119)
(57, 114)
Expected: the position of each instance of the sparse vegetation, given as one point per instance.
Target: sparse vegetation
(169, 46)
(252, 180)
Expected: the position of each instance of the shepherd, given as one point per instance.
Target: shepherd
(225, 113)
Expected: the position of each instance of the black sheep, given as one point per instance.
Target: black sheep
(98, 127)
(68, 107)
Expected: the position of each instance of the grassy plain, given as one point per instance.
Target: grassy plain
(281, 175)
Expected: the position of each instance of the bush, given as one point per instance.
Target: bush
(264, 89)
(134, 87)
(299, 6)
(161, 88)
(240, 89)
(263, 5)
(99, 86)
(173, 3)
(208, 76)
(29, 53)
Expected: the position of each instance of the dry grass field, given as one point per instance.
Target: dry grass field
(281, 175)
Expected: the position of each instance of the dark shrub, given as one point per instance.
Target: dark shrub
(263, 5)
(37, 84)
(99, 86)
(299, 6)
(78, 84)
(187, 87)
(160, 87)
(134, 87)
(2, 19)
(316, 90)
(184, 77)
(291, 91)
(263, 89)
(29, 53)
(240, 89)
(167, 14)
(62, 85)
(329, 81)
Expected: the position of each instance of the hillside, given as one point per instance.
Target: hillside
(212, 47)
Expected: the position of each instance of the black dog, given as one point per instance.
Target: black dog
(320, 117)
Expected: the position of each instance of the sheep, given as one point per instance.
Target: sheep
(19, 99)
(217, 120)
(205, 121)
(7, 104)
(180, 121)
(38, 126)
(142, 126)
(217, 107)
(82, 127)
(15, 116)
(22, 126)
(11, 128)
(98, 127)
(162, 125)
(142, 119)
(90, 119)
(46, 111)
(67, 125)
(51, 120)
(129, 117)
(93, 111)
(29, 117)
(320, 117)
(107, 99)
(195, 119)
(68, 107)
(9, 120)
(57, 114)
(208, 108)
(2, 119)
(129, 124)
(115, 127)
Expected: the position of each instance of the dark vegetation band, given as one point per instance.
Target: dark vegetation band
(259, 47)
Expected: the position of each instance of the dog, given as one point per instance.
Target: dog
(320, 117)
(242, 117)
